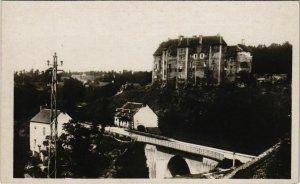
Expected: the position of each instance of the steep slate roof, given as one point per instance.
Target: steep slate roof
(159, 50)
(132, 106)
(43, 116)
(170, 44)
(128, 110)
(244, 48)
(192, 43)
(233, 49)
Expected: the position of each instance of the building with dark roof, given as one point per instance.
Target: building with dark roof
(40, 128)
(195, 59)
(135, 115)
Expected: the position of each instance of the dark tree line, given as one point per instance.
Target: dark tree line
(247, 119)
(273, 59)
(83, 152)
(32, 90)
(141, 77)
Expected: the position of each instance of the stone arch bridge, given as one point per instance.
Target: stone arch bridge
(168, 158)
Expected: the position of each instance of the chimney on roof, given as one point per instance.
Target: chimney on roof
(180, 37)
(200, 39)
(243, 41)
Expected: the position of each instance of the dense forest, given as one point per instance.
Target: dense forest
(246, 119)
(272, 59)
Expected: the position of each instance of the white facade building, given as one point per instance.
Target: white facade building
(135, 116)
(40, 128)
(145, 117)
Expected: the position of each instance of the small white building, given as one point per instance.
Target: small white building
(40, 128)
(136, 116)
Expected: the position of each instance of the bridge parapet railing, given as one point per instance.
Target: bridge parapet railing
(178, 146)
(188, 147)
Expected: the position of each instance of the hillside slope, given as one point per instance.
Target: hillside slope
(247, 120)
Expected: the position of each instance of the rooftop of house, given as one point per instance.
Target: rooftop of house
(128, 110)
(233, 49)
(132, 106)
(244, 48)
(43, 116)
(191, 42)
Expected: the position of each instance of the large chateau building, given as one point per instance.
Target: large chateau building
(199, 58)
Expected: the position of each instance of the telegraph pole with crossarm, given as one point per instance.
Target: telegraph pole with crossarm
(53, 120)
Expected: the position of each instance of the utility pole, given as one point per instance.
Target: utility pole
(53, 120)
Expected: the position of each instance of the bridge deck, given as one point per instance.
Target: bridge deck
(214, 153)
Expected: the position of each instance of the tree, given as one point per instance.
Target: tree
(80, 152)
(246, 78)
(274, 59)
(133, 163)
(71, 93)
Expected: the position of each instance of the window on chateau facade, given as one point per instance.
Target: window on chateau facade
(244, 65)
(44, 130)
(181, 51)
(199, 49)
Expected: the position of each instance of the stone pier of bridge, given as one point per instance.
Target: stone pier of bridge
(166, 163)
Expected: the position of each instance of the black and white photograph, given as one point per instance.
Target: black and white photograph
(147, 90)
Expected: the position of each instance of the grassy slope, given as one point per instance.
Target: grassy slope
(277, 165)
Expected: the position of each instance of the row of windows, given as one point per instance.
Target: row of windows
(44, 130)
(215, 48)
(181, 51)
(191, 64)
(243, 64)
(183, 57)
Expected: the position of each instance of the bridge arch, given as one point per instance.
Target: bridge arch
(141, 128)
(178, 166)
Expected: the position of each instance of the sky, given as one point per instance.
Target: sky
(97, 35)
